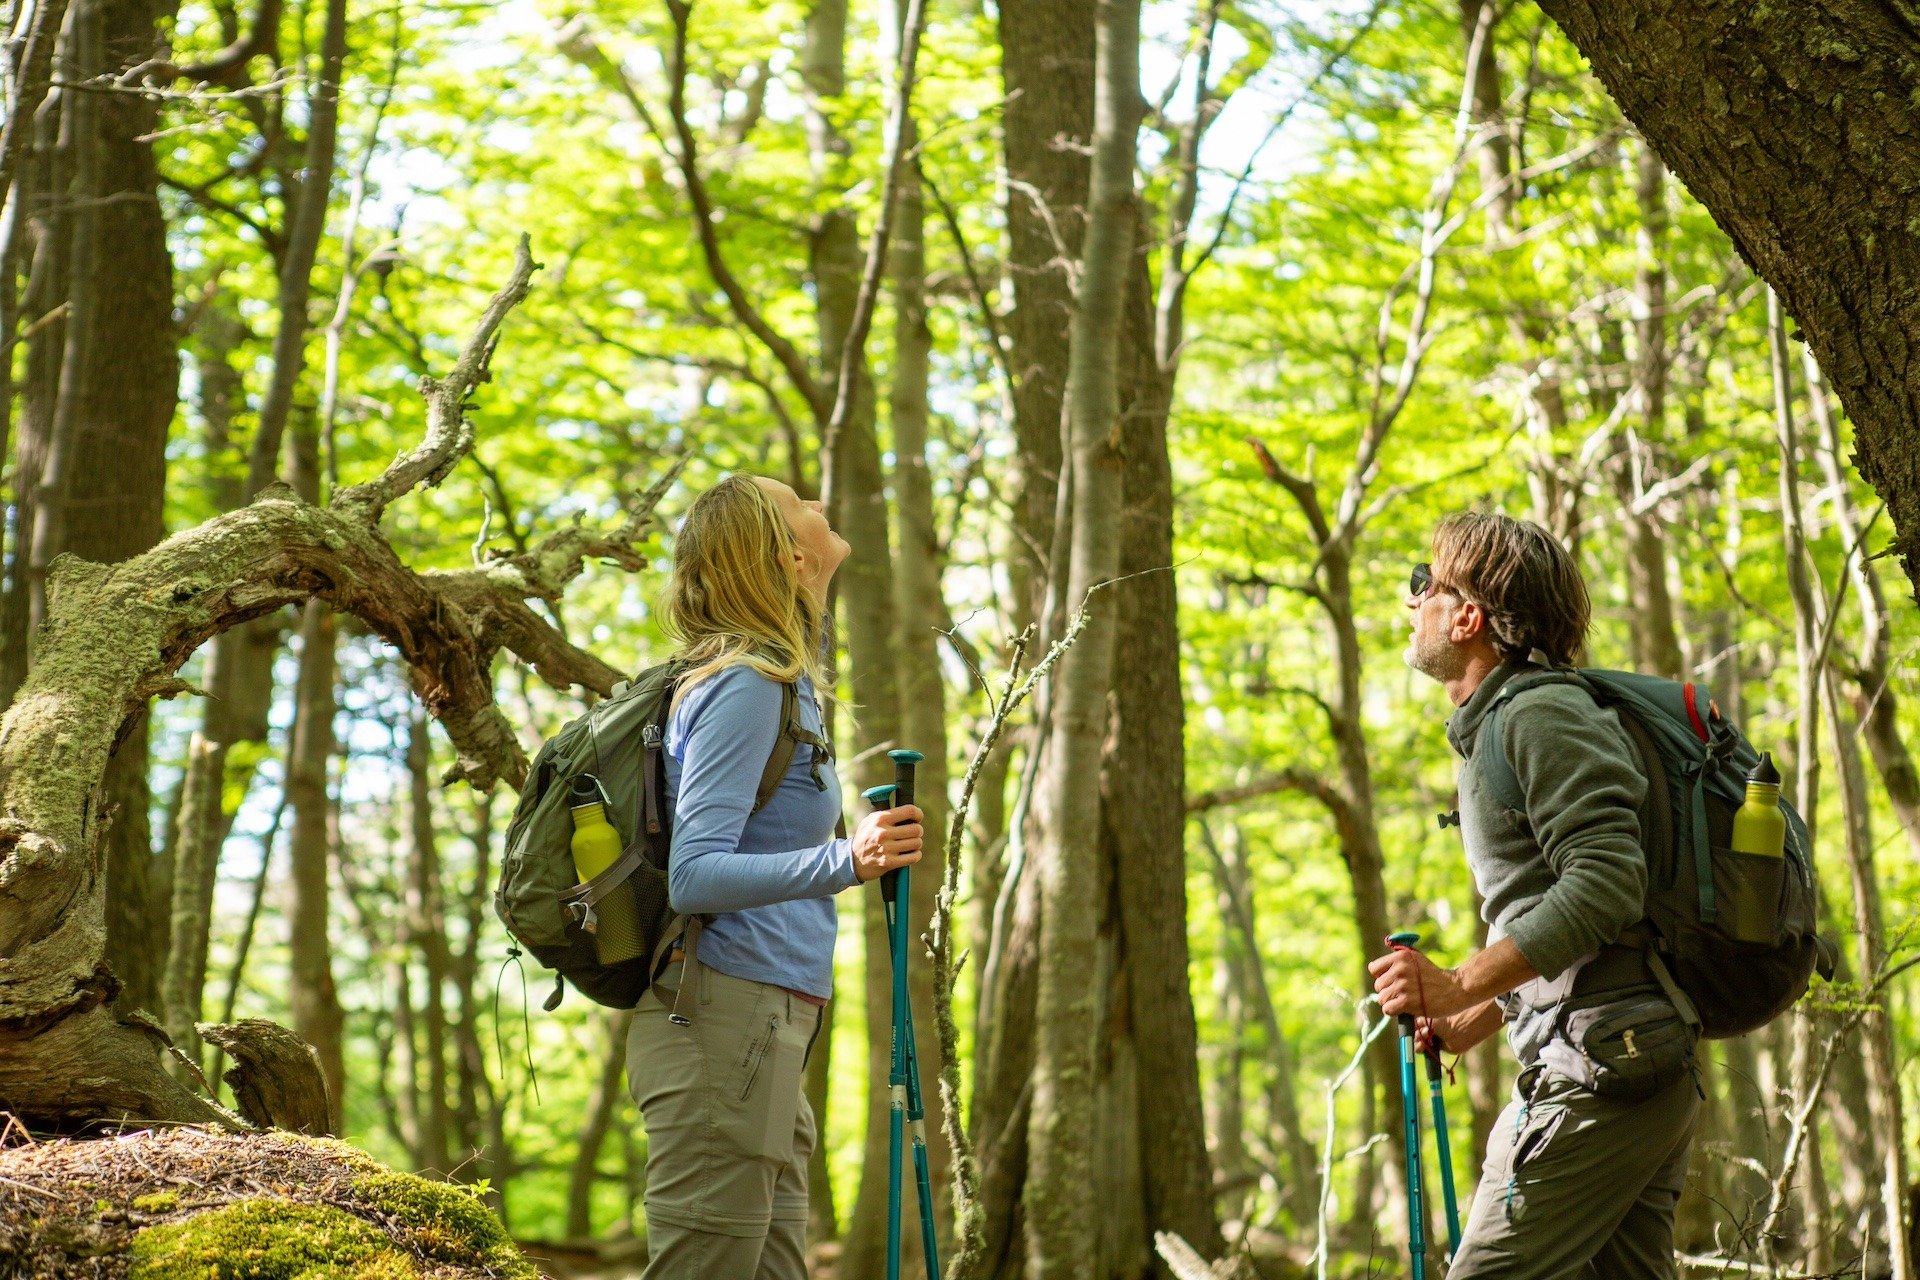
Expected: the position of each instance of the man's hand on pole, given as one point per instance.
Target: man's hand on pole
(1407, 982)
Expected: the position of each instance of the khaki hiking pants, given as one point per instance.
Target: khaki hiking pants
(729, 1131)
(1577, 1186)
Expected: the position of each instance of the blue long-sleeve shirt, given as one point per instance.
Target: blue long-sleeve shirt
(767, 879)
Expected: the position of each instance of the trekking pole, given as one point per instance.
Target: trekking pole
(1410, 1109)
(1442, 1146)
(884, 798)
(906, 1111)
(902, 922)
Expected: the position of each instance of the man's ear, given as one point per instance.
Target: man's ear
(1468, 622)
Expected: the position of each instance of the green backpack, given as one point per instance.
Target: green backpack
(621, 742)
(1696, 763)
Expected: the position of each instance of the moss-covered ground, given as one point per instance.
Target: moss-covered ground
(192, 1204)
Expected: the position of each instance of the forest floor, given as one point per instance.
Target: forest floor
(181, 1204)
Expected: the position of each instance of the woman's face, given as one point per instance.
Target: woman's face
(817, 549)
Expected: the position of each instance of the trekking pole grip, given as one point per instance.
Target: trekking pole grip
(903, 765)
(885, 797)
(1404, 941)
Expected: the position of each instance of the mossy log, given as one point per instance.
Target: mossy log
(114, 638)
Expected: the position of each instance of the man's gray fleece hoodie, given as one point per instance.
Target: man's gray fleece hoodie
(1569, 876)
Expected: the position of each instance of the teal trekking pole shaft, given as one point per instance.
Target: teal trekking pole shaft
(916, 1113)
(1410, 1110)
(885, 798)
(906, 1114)
(1443, 1150)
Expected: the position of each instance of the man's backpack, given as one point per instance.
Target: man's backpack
(1696, 763)
(621, 742)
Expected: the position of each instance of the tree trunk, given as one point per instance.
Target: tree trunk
(823, 1220)
(427, 938)
(478, 1111)
(919, 610)
(312, 999)
(865, 588)
(1302, 1189)
(306, 224)
(118, 373)
(1150, 1026)
(602, 1106)
(1060, 1220)
(1764, 113)
(1047, 69)
(1656, 641)
(1876, 1030)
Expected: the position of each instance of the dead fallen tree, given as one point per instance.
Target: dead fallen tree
(116, 635)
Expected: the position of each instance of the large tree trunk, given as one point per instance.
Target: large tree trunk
(1047, 64)
(865, 588)
(1060, 1207)
(918, 608)
(115, 367)
(1765, 113)
(1149, 1032)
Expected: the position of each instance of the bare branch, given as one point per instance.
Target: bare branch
(449, 436)
(988, 316)
(685, 155)
(1299, 486)
(1303, 781)
(226, 67)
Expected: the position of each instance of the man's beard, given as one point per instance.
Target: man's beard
(1436, 656)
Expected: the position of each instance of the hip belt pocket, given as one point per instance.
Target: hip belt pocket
(1624, 1051)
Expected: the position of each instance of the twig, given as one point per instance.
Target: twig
(969, 1216)
(853, 349)
(1326, 1158)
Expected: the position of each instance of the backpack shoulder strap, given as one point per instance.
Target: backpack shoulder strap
(1495, 769)
(784, 743)
(793, 735)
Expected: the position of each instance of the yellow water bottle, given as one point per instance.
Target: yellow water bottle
(1760, 840)
(614, 921)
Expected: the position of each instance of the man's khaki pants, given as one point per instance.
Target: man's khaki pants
(729, 1131)
(1579, 1186)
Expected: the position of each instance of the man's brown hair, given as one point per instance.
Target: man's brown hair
(1521, 577)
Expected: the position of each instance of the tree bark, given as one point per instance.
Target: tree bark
(1060, 1220)
(312, 998)
(107, 400)
(1150, 1025)
(919, 610)
(602, 1105)
(1047, 70)
(1764, 112)
(427, 937)
(864, 586)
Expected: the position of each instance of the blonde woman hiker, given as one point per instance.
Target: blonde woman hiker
(717, 1055)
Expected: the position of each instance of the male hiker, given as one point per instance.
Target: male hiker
(1575, 1183)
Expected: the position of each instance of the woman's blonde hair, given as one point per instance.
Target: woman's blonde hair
(735, 595)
